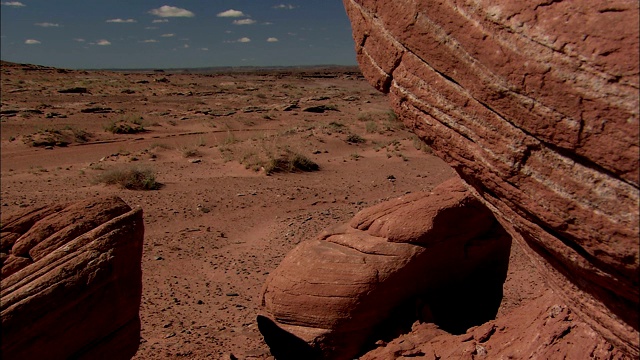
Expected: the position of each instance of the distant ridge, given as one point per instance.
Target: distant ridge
(199, 70)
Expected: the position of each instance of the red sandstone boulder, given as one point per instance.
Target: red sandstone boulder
(72, 281)
(439, 255)
(535, 105)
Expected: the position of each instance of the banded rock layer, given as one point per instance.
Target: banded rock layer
(439, 256)
(535, 105)
(72, 281)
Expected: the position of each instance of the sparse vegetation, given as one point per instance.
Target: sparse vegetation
(160, 146)
(189, 152)
(371, 127)
(230, 139)
(132, 178)
(289, 161)
(355, 139)
(334, 126)
(127, 125)
(421, 145)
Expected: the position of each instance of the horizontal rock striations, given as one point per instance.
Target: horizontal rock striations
(535, 105)
(440, 256)
(72, 281)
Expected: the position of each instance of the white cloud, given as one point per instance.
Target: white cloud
(171, 11)
(102, 42)
(150, 41)
(231, 13)
(285, 7)
(46, 24)
(156, 21)
(244, 40)
(204, 49)
(13, 3)
(272, 39)
(151, 27)
(31, 42)
(244, 22)
(122, 21)
(186, 46)
(79, 40)
(267, 23)
(168, 35)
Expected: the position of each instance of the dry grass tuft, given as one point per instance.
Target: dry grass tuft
(132, 178)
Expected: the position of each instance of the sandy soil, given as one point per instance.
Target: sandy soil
(217, 227)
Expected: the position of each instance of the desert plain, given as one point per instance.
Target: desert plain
(221, 216)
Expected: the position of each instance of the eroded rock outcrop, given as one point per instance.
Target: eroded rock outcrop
(72, 281)
(535, 105)
(439, 256)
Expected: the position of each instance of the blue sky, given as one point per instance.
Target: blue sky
(175, 34)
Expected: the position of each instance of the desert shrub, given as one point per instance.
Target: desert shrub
(230, 139)
(334, 126)
(289, 161)
(127, 125)
(421, 145)
(355, 139)
(121, 127)
(371, 127)
(132, 178)
(157, 145)
(391, 115)
(251, 160)
(365, 116)
(189, 152)
(393, 123)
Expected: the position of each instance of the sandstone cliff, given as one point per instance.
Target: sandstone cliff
(535, 105)
(72, 281)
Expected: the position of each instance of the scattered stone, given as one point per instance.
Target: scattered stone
(250, 109)
(195, 161)
(320, 108)
(290, 107)
(97, 110)
(74, 90)
(9, 112)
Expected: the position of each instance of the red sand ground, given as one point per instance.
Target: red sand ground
(216, 229)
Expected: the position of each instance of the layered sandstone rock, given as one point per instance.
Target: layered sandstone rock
(535, 105)
(72, 281)
(439, 256)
